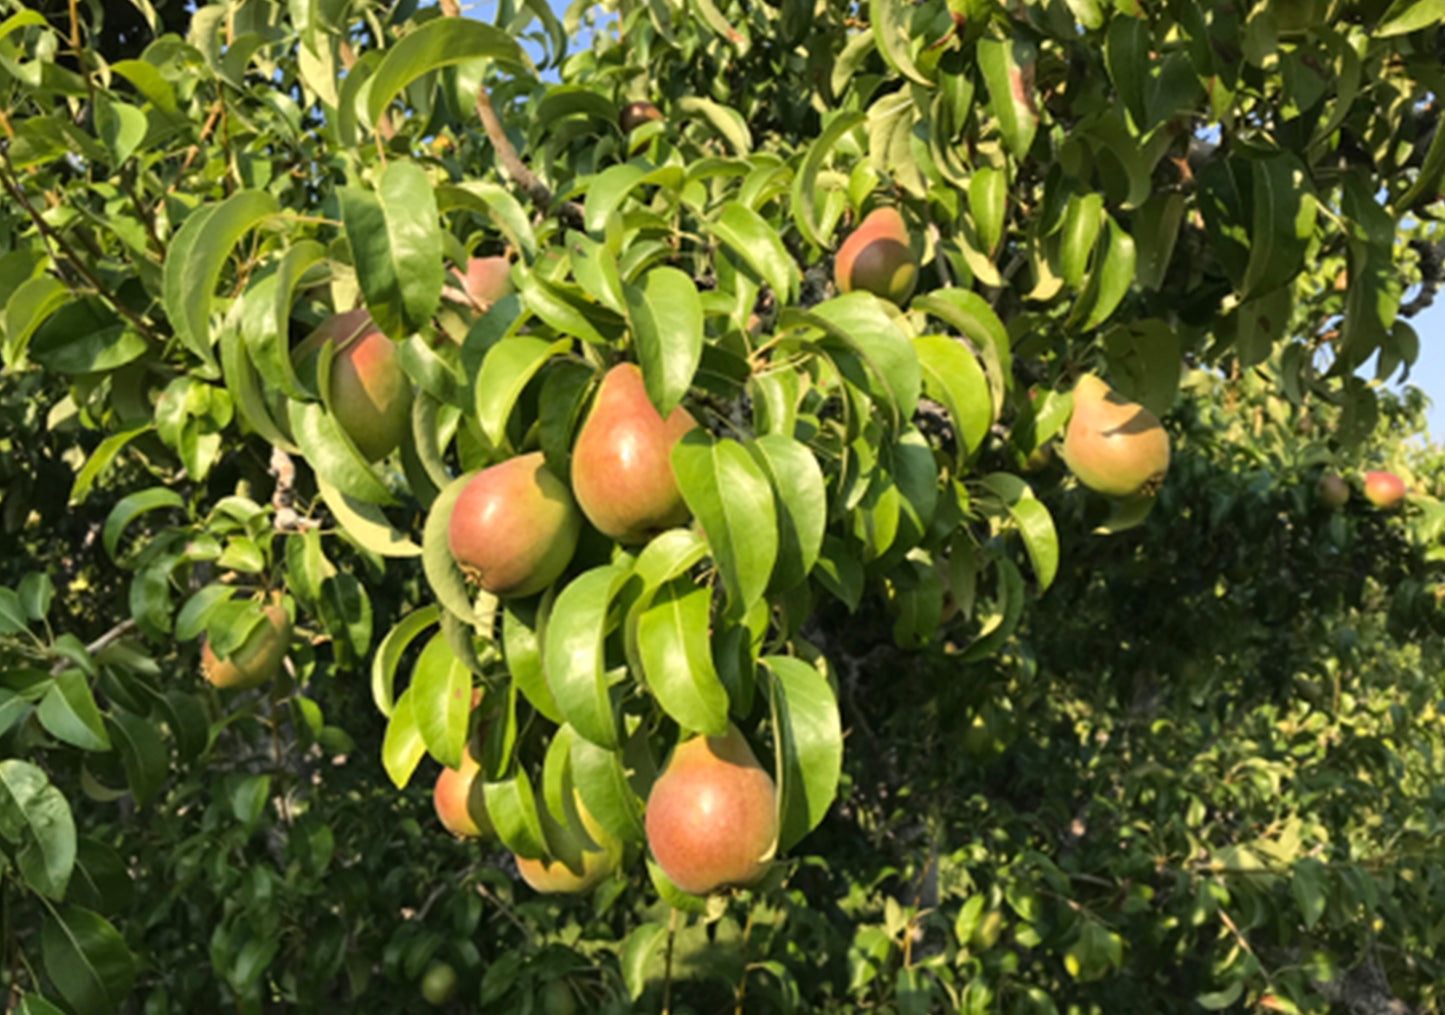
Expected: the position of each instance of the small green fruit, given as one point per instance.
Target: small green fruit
(258, 659)
(1332, 491)
(558, 999)
(438, 983)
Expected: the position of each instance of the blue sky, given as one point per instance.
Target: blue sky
(1428, 373)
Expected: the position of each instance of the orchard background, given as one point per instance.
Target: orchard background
(1035, 751)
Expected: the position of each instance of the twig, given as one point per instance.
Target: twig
(7, 177)
(538, 192)
(506, 910)
(191, 152)
(667, 965)
(100, 644)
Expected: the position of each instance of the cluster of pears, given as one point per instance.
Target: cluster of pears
(1385, 490)
(514, 526)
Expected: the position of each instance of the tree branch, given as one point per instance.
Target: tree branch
(538, 192)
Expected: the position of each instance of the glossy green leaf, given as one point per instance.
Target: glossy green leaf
(748, 235)
(196, 258)
(988, 200)
(1033, 521)
(29, 305)
(498, 204)
(443, 42)
(1155, 227)
(247, 392)
(731, 498)
(1411, 16)
(801, 500)
(87, 960)
(104, 453)
(1284, 223)
(86, 336)
(805, 183)
(267, 313)
(366, 524)
(890, 23)
(441, 701)
(402, 747)
(512, 806)
(1083, 220)
(602, 780)
(859, 323)
(667, 326)
(345, 609)
(395, 239)
(672, 635)
(595, 269)
(389, 653)
(35, 818)
(69, 713)
(952, 376)
(727, 122)
(141, 751)
(808, 740)
(507, 368)
(639, 949)
(332, 455)
(572, 656)
(128, 508)
(440, 567)
(1110, 280)
(522, 648)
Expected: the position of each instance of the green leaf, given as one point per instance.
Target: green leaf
(402, 747)
(748, 235)
(345, 609)
(726, 121)
(672, 635)
(396, 240)
(600, 776)
(389, 653)
(1144, 358)
(667, 324)
(859, 323)
(494, 201)
(441, 701)
(1033, 521)
(1083, 219)
(841, 572)
(1284, 223)
(69, 713)
(636, 956)
(805, 183)
(440, 567)
(266, 315)
(1155, 226)
(808, 738)
(572, 655)
(246, 390)
(127, 509)
(889, 21)
(512, 806)
(1309, 882)
(87, 960)
(85, 336)
(801, 499)
(506, 369)
(1409, 16)
(13, 618)
(731, 498)
(366, 524)
(196, 258)
(332, 455)
(141, 751)
(29, 305)
(1109, 281)
(988, 200)
(952, 376)
(36, 818)
(595, 269)
(522, 649)
(102, 456)
(34, 1004)
(1008, 72)
(436, 44)
(36, 591)
(120, 126)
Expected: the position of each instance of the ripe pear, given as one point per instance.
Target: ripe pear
(622, 461)
(600, 858)
(514, 526)
(1385, 490)
(1114, 446)
(459, 801)
(712, 815)
(370, 392)
(487, 280)
(257, 660)
(878, 257)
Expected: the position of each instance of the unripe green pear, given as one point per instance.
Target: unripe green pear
(486, 280)
(514, 526)
(622, 461)
(257, 660)
(1114, 446)
(1332, 491)
(558, 999)
(878, 257)
(712, 815)
(459, 801)
(599, 858)
(438, 983)
(1385, 490)
(370, 392)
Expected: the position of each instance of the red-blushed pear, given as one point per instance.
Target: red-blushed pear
(622, 461)
(1114, 446)
(878, 257)
(514, 526)
(370, 392)
(1385, 490)
(1332, 492)
(712, 816)
(459, 801)
(599, 858)
(486, 280)
(257, 660)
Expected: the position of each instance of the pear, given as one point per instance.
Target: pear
(712, 815)
(257, 660)
(599, 858)
(513, 527)
(1385, 490)
(878, 257)
(370, 392)
(622, 461)
(459, 802)
(486, 280)
(1114, 446)
(1332, 492)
